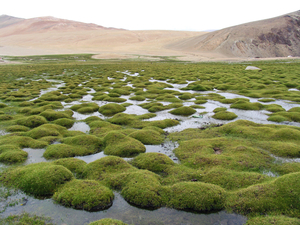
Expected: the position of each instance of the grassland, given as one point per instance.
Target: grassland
(221, 167)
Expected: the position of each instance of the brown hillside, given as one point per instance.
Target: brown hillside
(48, 35)
(6, 20)
(276, 37)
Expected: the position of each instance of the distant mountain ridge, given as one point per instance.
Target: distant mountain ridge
(275, 37)
(12, 25)
(6, 20)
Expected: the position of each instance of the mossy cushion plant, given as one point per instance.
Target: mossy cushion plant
(120, 145)
(65, 122)
(155, 162)
(45, 130)
(91, 142)
(269, 220)
(230, 154)
(278, 196)
(40, 179)
(101, 128)
(17, 128)
(147, 137)
(111, 109)
(247, 105)
(85, 108)
(58, 151)
(84, 194)
(142, 188)
(195, 196)
(232, 180)
(224, 115)
(12, 154)
(76, 166)
(98, 169)
(22, 142)
(107, 221)
(32, 121)
(51, 115)
(184, 111)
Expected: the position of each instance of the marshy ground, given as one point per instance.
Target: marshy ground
(149, 142)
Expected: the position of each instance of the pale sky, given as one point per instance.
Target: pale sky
(193, 15)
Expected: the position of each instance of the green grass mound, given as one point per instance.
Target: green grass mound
(220, 109)
(196, 196)
(295, 109)
(224, 115)
(277, 118)
(12, 154)
(46, 130)
(2, 105)
(114, 99)
(120, 145)
(92, 119)
(138, 98)
(200, 101)
(65, 122)
(89, 141)
(286, 168)
(58, 151)
(51, 115)
(186, 96)
(289, 116)
(76, 166)
(266, 100)
(228, 153)
(107, 169)
(84, 194)
(101, 128)
(282, 149)
(154, 106)
(184, 111)
(142, 188)
(26, 104)
(279, 196)
(232, 180)
(162, 123)
(40, 179)
(123, 119)
(247, 105)
(26, 219)
(111, 109)
(269, 220)
(17, 128)
(108, 221)
(32, 121)
(4, 117)
(22, 142)
(147, 137)
(155, 162)
(157, 129)
(85, 108)
(250, 130)
(53, 96)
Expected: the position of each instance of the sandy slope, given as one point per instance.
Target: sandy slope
(48, 35)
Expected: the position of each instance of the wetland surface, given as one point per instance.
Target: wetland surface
(162, 136)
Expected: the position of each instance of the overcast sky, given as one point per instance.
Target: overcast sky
(194, 15)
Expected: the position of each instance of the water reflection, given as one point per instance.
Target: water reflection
(121, 210)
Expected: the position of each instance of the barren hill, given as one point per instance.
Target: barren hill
(275, 37)
(49, 35)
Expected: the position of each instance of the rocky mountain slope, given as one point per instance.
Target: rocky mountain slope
(275, 37)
